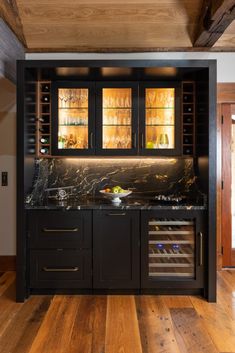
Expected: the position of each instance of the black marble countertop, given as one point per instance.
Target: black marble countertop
(105, 204)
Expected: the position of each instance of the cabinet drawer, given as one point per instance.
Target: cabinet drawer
(59, 229)
(60, 269)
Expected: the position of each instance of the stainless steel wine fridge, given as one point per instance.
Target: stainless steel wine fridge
(173, 249)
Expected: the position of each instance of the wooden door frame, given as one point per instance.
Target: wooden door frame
(226, 176)
(225, 97)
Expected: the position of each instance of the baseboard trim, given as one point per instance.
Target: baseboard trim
(7, 263)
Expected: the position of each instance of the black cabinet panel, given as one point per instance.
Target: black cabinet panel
(172, 249)
(56, 229)
(116, 252)
(60, 269)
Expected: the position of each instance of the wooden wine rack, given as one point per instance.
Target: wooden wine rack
(43, 118)
(188, 118)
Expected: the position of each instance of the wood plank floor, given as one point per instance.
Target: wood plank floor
(117, 324)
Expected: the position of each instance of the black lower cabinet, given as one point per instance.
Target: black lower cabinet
(173, 250)
(60, 249)
(148, 251)
(60, 269)
(116, 250)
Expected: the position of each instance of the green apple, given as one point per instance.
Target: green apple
(150, 144)
(115, 190)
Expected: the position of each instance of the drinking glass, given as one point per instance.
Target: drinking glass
(163, 141)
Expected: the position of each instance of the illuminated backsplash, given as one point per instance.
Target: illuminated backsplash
(145, 177)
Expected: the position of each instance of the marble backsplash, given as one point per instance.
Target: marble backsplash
(145, 177)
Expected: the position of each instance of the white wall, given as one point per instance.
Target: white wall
(225, 61)
(8, 164)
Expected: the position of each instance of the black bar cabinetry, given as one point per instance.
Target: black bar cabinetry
(116, 249)
(143, 251)
(132, 109)
(116, 118)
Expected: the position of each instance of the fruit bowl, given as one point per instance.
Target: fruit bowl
(116, 196)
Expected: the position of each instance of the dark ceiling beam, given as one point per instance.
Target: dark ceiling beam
(216, 16)
(11, 50)
(9, 13)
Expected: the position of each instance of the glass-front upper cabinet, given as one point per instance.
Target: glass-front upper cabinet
(159, 119)
(73, 119)
(117, 118)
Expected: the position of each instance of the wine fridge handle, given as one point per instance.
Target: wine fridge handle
(200, 248)
(117, 214)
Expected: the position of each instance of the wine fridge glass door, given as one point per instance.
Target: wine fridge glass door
(171, 247)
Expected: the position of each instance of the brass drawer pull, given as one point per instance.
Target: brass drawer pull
(51, 230)
(201, 249)
(52, 269)
(117, 214)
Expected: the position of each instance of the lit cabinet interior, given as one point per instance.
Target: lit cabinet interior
(160, 118)
(73, 118)
(116, 118)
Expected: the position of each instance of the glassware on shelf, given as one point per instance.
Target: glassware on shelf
(73, 118)
(116, 118)
(73, 98)
(163, 141)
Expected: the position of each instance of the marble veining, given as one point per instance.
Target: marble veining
(145, 177)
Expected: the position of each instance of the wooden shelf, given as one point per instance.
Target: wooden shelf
(188, 88)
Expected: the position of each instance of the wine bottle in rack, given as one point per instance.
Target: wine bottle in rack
(44, 119)
(44, 140)
(45, 98)
(44, 150)
(45, 87)
(44, 129)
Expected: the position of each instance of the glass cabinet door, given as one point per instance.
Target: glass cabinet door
(117, 123)
(171, 247)
(160, 121)
(74, 127)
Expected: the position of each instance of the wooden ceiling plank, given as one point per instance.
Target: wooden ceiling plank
(126, 23)
(113, 13)
(103, 35)
(9, 13)
(216, 16)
